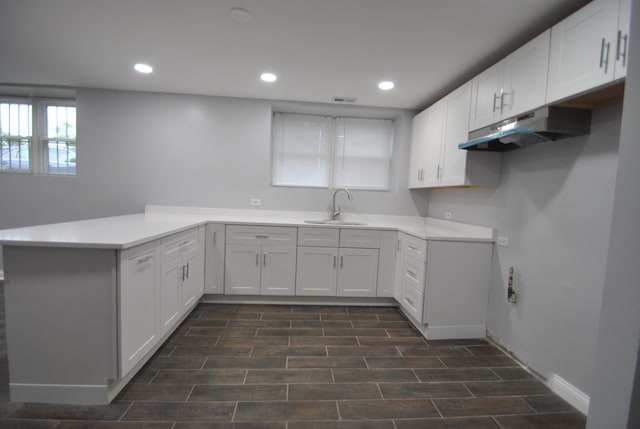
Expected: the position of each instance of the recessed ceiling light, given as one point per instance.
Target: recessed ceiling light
(268, 77)
(143, 68)
(386, 85)
(240, 14)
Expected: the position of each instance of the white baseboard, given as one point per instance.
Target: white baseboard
(569, 393)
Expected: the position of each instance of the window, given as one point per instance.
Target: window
(38, 136)
(324, 151)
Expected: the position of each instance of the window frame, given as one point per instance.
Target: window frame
(333, 141)
(39, 139)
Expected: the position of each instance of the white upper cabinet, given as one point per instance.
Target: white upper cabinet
(437, 131)
(588, 49)
(416, 163)
(512, 86)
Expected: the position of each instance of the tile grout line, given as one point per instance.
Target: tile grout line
(436, 407)
(190, 392)
(126, 411)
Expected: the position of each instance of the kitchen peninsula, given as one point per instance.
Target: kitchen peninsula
(89, 302)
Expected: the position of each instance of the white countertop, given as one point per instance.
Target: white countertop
(121, 232)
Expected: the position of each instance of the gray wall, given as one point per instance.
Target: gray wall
(142, 148)
(554, 204)
(614, 403)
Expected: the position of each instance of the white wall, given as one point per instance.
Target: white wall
(554, 203)
(144, 148)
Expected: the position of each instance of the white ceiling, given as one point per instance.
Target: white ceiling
(318, 48)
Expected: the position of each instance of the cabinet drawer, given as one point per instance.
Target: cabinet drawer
(177, 244)
(412, 302)
(415, 247)
(413, 272)
(270, 235)
(318, 237)
(360, 238)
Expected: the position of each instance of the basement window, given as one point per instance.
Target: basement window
(38, 136)
(331, 152)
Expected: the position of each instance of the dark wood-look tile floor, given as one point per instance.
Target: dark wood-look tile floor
(311, 367)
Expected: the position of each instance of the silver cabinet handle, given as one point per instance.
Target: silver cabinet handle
(439, 171)
(144, 259)
(502, 103)
(341, 261)
(409, 300)
(264, 259)
(622, 53)
(262, 236)
(410, 247)
(412, 274)
(182, 269)
(257, 259)
(335, 258)
(187, 269)
(604, 58)
(496, 96)
(215, 234)
(399, 245)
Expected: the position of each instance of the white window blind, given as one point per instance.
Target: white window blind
(301, 150)
(323, 151)
(363, 153)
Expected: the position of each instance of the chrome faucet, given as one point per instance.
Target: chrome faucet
(338, 210)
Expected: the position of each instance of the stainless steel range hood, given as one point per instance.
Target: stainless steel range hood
(544, 124)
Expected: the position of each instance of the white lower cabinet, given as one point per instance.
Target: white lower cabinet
(278, 272)
(170, 278)
(159, 282)
(260, 270)
(387, 264)
(214, 258)
(137, 301)
(181, 276)
(338, 262)
(357, 272)
(260, 260)
(317, 271)
(445, 286)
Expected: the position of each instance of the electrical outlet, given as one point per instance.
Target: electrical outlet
(448, 215)
(255, 202)
(503, 241)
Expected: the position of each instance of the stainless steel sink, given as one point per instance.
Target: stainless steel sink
(333, 222)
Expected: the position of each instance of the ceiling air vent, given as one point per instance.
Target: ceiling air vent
(345, 99)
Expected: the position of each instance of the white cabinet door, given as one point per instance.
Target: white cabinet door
(357, 272)
(622, 39)
(582, 53)
(397, 283)
(170, 294)
(214, 258)
(485, 99)
(192, 280)
(278, 274)
(317, 271)
(514, 85)
(137, 303)
(525, 77)
(387, 264)
(242, 269)
(416, 163)
(434, 138)
(453, 163)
